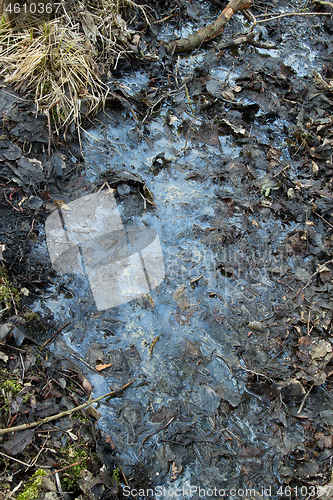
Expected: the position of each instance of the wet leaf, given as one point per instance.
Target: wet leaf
(214, 87)
(29, 170)
(19, 335)
(93, 413)
(5, 329)
(181, 298)
(84, 382)
(19, 442)
(163, 414)
(12, 152)
(320, 349)
(238, 130)
(327, 416)
(324, 441)
(192, 349)
(299, 297)
(228, 95)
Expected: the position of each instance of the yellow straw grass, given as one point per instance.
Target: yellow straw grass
(56, 64)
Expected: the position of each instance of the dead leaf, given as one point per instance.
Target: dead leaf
(3, 357)
(237, 130)
(320, 349)
(299, 297)
(19, 442)
(85, 384)
(181, 298)
(228, 95)
(323, 441)
(5, 329)
(176, 469)
(92, 412)
(101, 367)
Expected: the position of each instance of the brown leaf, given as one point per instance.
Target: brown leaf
(162, 414)
(299, 297)
(229, 201)
(101, 367)
(324, 441)
(85, 384)
(326, 276)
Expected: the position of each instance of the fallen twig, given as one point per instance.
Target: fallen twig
(210, 32)
(322, 2)
(289, 14)
(304, 399)
(55, 333)
(323, 219)
(45, 420)
(155, 432)
(317, 272)
(246, 38)
(61, 470)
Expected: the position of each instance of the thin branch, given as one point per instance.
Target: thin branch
(323, 219)
(289, 14)
(45, 420)
(155, 432)
(15, 459)
(304, 399)
(322, 2)
(55, 333)
(317, 272)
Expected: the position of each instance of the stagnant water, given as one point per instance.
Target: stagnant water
(181, 340)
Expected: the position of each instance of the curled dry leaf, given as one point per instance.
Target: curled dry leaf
(101, 367)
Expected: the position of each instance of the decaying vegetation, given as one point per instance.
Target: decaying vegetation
(64, 61)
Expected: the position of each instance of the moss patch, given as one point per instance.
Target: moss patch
(33, 488)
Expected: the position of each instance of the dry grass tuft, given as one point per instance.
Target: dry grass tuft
(61, 61)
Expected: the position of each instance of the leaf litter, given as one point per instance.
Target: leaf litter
(285, 359)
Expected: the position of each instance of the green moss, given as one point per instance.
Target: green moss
(72, 474)
(8, 293)
(9, 389)
(10, 385)
(33, 322)
(116, 475)
(33, 488)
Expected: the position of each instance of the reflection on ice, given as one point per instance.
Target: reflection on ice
(120, 265)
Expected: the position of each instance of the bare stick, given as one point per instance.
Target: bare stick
(317, 272)
(155, 432)
(323, 219)
(322, 2)
(56, 333)
(304, 399)
(22, 427)
(289, 14)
